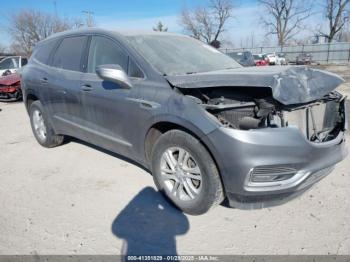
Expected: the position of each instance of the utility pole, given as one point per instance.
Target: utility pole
(55, 7)
(89, 18)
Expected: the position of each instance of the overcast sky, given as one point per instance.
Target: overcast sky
(138, 14)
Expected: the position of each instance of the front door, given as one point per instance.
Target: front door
(106, 104)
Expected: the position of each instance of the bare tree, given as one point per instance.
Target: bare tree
(2, 48)
(285, 18)
(160, 27)
(208, 23)
(337, 14)
(28, 27)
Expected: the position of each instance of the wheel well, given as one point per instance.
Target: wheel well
(30, 99)
(160, 128)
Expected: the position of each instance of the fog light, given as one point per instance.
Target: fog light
(262, 174)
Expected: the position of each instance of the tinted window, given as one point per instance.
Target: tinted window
(43, 51)
(24, 61)
(104, 51)
(69, 53)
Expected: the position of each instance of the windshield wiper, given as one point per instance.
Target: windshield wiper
(191, 73)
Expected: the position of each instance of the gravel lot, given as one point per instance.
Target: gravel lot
(77, 199)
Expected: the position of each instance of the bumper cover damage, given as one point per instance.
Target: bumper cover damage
(10, 88)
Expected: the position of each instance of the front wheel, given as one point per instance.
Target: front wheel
(185, 172)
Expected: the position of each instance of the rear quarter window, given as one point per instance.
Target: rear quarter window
(69, 53)
(43, 51)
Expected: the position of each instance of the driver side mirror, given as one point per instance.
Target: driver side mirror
(115, 74)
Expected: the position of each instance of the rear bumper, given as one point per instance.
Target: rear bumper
(237, 152)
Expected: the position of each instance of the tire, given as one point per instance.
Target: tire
(194, 195)
(43, 131)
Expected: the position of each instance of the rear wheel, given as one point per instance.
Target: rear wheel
(41, 127)
(185, 172)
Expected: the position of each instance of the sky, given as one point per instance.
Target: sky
(141, 14)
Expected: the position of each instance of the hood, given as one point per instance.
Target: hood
(289, 84)
(9, 80)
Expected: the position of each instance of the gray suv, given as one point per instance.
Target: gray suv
(207, 128)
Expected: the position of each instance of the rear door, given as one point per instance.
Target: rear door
(64, 82)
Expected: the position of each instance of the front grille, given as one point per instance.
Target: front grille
(317, 122)
(271, 173)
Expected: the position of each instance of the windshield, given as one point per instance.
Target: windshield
(178, 55)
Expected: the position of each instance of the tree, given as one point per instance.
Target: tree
(2, 48)
(208, 23)
(285, 18)
(29, 27)
(337, 15)
(160, 27)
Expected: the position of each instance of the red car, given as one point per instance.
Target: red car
(10, 88)
(260, 60)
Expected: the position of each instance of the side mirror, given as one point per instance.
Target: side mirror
(115, 74)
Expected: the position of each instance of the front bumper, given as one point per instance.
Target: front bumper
(10, 93)
(237, 152)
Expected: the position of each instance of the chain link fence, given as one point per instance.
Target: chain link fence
(321, 53)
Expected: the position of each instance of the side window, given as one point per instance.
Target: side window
(43, 51)
(134, 70)
(69, 53)
(104, 51)
(7, 64)
(24, 61)
(15, 62)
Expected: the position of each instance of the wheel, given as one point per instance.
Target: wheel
(41, 127)
(185, 172)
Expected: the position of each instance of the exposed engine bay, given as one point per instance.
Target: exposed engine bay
(320, 120)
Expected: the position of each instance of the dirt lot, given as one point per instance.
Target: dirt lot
(77, 199)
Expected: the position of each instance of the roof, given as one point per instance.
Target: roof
(112, 32)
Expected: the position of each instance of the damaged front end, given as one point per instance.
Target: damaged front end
(287, 97)
(10, 88)
(319, 121)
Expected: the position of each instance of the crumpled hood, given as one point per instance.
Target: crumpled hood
(289, 84)
(9, 80)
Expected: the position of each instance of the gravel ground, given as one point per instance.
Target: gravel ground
(78, 199)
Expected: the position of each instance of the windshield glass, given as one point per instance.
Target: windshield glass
(177, 55)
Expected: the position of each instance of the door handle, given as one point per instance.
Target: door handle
(86, 88)
(44, 80)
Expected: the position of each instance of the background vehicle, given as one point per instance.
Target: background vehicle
(281, 59)
(260, 60)
(304, 59)
(243, 58)
(206, 127)
(12, 64)
(271, 58)
(10, 87)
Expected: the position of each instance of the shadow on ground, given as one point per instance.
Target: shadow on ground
(148, 225)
